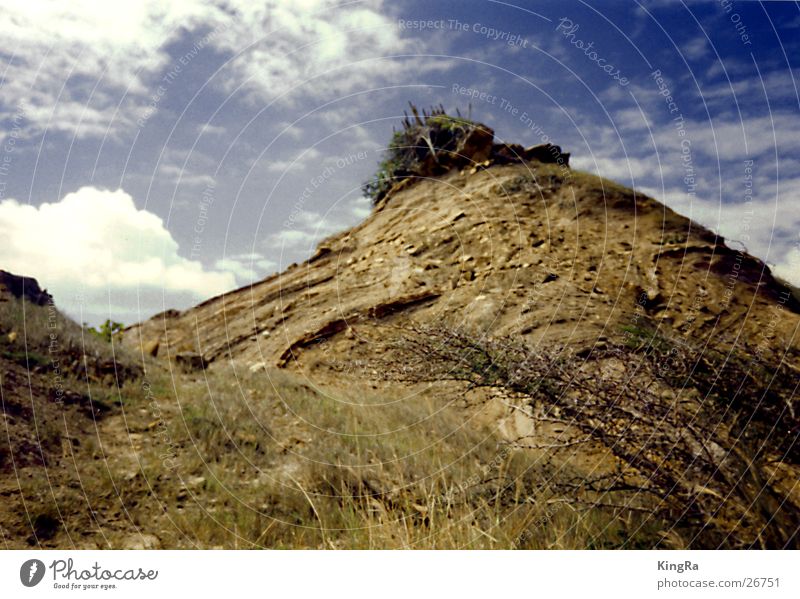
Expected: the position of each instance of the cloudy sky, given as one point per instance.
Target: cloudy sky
(154, 154)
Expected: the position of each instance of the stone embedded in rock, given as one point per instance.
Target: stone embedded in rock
(140, 542)
(547, 153)
(151, 348)
(507, 153)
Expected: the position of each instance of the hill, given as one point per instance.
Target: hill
(506, 256)
(506, 353)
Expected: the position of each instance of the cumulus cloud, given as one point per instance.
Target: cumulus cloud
(96, 252)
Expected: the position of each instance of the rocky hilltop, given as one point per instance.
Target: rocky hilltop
(524, 248)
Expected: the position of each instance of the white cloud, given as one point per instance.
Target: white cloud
(618, 168)
(179, 175)
(747, 88)
(248, 268)
(90, 66)
(361, 207)
(306, 228)
(729, 137)
(209, 129)
(695, 48)
(308, 157)
(60, 51)
(96, 245)
(282, 44)
(789, 268)
(302, 238)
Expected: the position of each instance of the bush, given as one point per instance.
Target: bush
(685, 457)
(109, 331)
(427, 145)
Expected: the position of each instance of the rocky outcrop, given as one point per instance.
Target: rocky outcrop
(519, 248)
(432, 144)
(22, 287)
(475, 146)
(544, 153)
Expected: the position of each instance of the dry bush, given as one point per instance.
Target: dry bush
(681, 455)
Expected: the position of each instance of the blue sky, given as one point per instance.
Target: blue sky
(155, 154)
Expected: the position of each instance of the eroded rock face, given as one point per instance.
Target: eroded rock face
(24, 287)
(547, 154)
(151, 348)
(532, 249)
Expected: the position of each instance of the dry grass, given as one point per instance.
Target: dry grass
(34, 335)
(250, 460)
(272, 462)
(268, 461)
(233, 459)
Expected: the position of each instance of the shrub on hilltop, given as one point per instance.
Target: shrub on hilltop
(429, 144)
